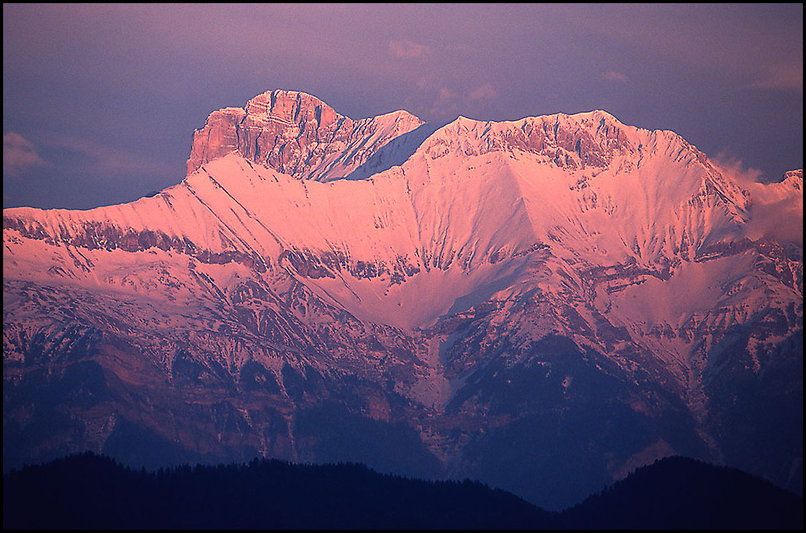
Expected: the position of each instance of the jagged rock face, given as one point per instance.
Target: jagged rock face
(588, 140)
(296, 134)
(559, 298)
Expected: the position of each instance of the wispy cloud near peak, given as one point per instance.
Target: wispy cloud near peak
(612, 75)
(782, 78)
(404, 48)
(484, 92)
(19, 154)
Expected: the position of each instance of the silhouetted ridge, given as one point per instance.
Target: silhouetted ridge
(682, 493)
(89, 491)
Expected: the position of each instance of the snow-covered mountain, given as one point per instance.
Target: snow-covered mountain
(542, 304)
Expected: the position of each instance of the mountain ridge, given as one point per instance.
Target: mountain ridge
(479, 286)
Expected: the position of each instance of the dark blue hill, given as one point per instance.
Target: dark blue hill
(89, 491)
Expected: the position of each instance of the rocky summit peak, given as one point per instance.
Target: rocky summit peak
(297, 134)
(794, 176)
(292, 107)
(573, 142)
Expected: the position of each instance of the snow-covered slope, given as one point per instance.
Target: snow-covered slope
(467, 210)
(419, 273)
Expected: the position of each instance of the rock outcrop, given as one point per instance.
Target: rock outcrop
(296, 134)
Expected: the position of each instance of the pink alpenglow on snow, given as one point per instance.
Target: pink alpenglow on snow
(467, 283)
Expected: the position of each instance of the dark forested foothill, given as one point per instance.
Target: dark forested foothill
(88, 491)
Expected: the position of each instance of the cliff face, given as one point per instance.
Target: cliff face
(296, 134)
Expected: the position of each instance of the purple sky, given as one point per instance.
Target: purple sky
(100, 101)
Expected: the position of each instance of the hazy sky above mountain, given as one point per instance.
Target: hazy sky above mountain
(100, 101)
